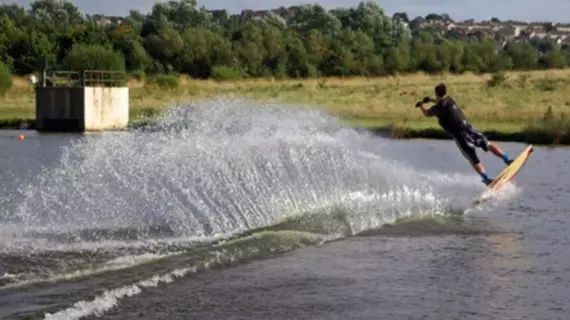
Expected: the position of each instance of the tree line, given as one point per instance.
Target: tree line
(180, 37)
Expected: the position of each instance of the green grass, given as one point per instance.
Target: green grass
(518, 106)
(11, 113)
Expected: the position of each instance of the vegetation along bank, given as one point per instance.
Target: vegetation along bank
(358, 62)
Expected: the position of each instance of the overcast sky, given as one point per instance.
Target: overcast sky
(527, 10)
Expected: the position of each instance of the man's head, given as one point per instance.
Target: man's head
(440, 91)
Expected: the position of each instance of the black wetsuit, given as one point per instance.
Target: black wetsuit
(452, 119)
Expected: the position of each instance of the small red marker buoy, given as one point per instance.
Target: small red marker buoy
(20, 137)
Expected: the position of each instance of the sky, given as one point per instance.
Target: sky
(525, 10)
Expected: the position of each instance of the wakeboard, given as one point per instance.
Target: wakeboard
(506, 175)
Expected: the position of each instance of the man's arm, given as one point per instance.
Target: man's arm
(427, 112)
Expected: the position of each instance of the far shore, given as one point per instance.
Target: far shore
(528, 107)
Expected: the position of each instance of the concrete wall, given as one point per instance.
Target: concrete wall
(106, 108)
(60, 108)
(81, 108)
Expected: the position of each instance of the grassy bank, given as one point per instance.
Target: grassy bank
(518, 106)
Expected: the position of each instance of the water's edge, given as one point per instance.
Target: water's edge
(528, 136)
(389, 131)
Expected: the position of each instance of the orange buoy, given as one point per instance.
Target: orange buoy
(20, 137)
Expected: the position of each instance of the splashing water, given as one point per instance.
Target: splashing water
(222, 166)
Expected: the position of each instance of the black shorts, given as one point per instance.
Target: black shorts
(468, 139)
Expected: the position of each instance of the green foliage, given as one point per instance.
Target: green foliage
(549, 84)
(179, 37)
(5, 79)
(226, 73)
(523, 80)
(138, 74)
(497, 79)
(555, 128)
(164, 81)
(93, 57)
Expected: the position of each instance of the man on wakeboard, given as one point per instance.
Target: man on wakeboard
(467, 138)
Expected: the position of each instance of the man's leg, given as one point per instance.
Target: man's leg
(470, 154)
(499, 153)
(477, 139)
(481, 171)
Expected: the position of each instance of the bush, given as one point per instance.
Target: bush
(548, 84)
(524, 80)
(138, 74)
(550, 128)
(93, 57)
(166, 81)
(497, 79)
(5, 79)
(226, 73)
(83, 57)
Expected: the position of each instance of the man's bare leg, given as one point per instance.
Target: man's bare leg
(479, 168)
(499, 153)
(481, 171)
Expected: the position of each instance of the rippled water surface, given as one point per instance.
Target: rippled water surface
(230, 209)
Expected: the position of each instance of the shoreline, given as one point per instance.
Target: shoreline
(538, 137)
(524, 136)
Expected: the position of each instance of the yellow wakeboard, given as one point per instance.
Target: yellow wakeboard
(506, 175)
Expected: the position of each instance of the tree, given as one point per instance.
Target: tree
(401, 16)
(178, 36)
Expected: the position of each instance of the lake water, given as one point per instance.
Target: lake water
(228, 211)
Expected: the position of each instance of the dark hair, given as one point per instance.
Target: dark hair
(440, 90)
